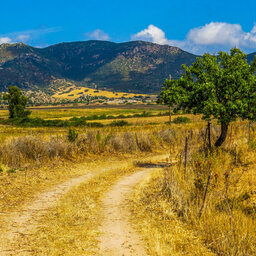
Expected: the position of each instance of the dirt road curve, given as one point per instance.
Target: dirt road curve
(23, 222)
(118, 237)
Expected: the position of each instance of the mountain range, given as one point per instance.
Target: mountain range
(135, 66)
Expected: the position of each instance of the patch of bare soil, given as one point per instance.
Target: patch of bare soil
(118, 237)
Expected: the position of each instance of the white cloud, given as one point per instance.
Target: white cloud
(23, 38)
(27, 36)
(211, 37)
(216, 33)
(254, 29)
(4, 40)
(152, 34)
(98, 35)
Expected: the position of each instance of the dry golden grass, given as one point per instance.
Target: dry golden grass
(227, 225)
(62, 113)
(71, 227)
(34, 150)
(167, 206)
(155, 120)
(75, 92)
(31, 163)
(163, 231)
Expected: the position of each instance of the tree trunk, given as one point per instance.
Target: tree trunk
(223, 135)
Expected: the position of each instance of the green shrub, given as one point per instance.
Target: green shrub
(119, 123)
(72, 135)
(181, 119)
(11, 171)
(95, 124)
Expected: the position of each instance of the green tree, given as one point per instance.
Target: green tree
(173, 94)
(221, 87)
(17, 103)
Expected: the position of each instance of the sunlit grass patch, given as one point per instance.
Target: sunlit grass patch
(164, 233)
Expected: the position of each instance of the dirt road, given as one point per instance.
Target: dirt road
(23, 222)
(118, 237)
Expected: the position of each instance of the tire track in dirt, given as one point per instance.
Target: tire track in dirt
(22, 223)
(118, 237)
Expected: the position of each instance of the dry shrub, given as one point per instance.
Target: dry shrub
(31, 150)
(129, 142)
(116, 143)
(34, 149)
(167, 135)
(144, 142)
(82, 143)
(91, 141)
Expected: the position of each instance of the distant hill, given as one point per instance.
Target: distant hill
(137, 66)
(251, 56)
(134, 66)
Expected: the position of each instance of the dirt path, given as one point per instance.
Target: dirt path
(17, 226)
(118, 237)
(23, 222)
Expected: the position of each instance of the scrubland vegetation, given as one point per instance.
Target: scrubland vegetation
(211, 194)
(31, 149)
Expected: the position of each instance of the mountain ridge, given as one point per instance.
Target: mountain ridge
(135, 66)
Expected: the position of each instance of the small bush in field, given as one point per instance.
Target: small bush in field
(72, 135)
(181, 119)
(11, 171)
(118, 123)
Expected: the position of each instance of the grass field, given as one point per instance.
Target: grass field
(75, 92)
(69, 112)
(207, 206)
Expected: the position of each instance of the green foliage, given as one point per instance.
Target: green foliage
(17, 103)
(173, 94)
(11, 171)
(39, 122)
(181, 119)
(72, 135)
(119, 123)
(222, 87)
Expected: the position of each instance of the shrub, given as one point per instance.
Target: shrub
(119, 123)
(95, 124)
(144, 143)
(181, 119)
(72, 135)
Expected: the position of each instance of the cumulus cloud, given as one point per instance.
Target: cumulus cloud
(152, 34)
(4, 40)
(98, 35)
(220, 33)
(211, 37)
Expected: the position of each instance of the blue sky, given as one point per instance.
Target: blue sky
(196, 26)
